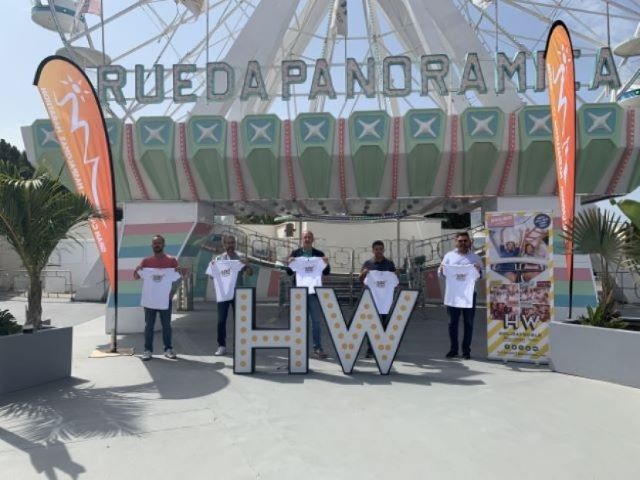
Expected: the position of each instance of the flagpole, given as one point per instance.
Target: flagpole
(571, 284)
(114, 288)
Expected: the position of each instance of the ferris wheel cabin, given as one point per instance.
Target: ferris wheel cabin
(56, 16)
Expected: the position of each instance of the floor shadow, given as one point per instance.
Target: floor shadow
(47, 457)
(73, 409)
(272, 365)
(40, 420)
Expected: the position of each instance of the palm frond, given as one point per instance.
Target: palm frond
(598, 232)
(631, 209)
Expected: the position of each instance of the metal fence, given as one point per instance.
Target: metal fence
(412, 257)
(54, 282)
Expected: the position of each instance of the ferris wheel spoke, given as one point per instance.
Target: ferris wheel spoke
(548, 20)
(110, 19)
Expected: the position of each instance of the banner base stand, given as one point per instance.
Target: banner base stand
(107, 353)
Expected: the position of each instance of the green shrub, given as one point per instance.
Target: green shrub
(8, 324)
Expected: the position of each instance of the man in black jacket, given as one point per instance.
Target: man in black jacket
(313, 305)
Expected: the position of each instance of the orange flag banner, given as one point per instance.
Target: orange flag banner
(562, 99)
(78, 122)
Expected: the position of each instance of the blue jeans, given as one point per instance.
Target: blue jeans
(454, 318)
(316, 316)
(223, 311)
(150, 321)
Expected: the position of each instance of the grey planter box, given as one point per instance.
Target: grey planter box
(27, 360)
(600, 353)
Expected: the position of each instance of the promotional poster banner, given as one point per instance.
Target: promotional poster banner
(562, 101)
(80, 130)
(519, 276)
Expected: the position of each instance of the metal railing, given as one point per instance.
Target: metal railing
(185, 293)
(54, 282)
(414, 259)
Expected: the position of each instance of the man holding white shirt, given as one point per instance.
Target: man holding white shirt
(379, 263)
(230, 253)
(315, 311)
(158, 273)
(461, 268)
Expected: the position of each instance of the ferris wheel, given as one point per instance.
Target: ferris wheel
(197, 32)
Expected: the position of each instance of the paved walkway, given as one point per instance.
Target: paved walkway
(429, 419)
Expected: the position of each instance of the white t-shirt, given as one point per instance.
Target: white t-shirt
(308, 272)
(461, 282)
(381, 285)
(225, 275)
(455, 258)
(156, 286)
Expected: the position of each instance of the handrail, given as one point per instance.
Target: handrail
(10, 284)
(346, 260)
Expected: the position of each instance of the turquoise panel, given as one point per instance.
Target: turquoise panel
(482, 133)
(599, 144)
(206, 149)
(536, 155)
(424, 134)
(48, 152)
(114, 133)
(260, 136)
(155, 141)
(314, 133)
(369, 139)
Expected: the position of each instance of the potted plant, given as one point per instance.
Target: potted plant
(36, 212)
(600, 344)
(8, 324)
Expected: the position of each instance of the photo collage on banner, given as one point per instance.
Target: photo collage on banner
(519, 285)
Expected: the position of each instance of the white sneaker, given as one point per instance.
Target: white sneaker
(170, 354)
(220, 351)
(147, 355)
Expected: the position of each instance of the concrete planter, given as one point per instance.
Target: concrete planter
(27, 360)
(592, 352)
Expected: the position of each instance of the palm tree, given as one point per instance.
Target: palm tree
(603, 234)
(36, 212)
(631, 209)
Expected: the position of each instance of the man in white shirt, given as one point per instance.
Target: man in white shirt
(460, 297)
(313, 305)
(230, 253)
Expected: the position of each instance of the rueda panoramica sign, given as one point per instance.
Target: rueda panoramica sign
(347, 335)
(520, 300)
(224, 81)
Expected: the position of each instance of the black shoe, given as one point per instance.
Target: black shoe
(467, 356)
(451, 354)
(319, 353)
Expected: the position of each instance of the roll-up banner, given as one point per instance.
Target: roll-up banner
(562, 101)
(519, 278)
(80, 129)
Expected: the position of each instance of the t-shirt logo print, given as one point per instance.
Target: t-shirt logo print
(461, 277)
(381, 283)
(157, 278)
(225, 273)
(309, 269)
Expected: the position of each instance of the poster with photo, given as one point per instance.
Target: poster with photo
(519, 276)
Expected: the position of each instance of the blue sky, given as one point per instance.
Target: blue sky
(25, 44)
